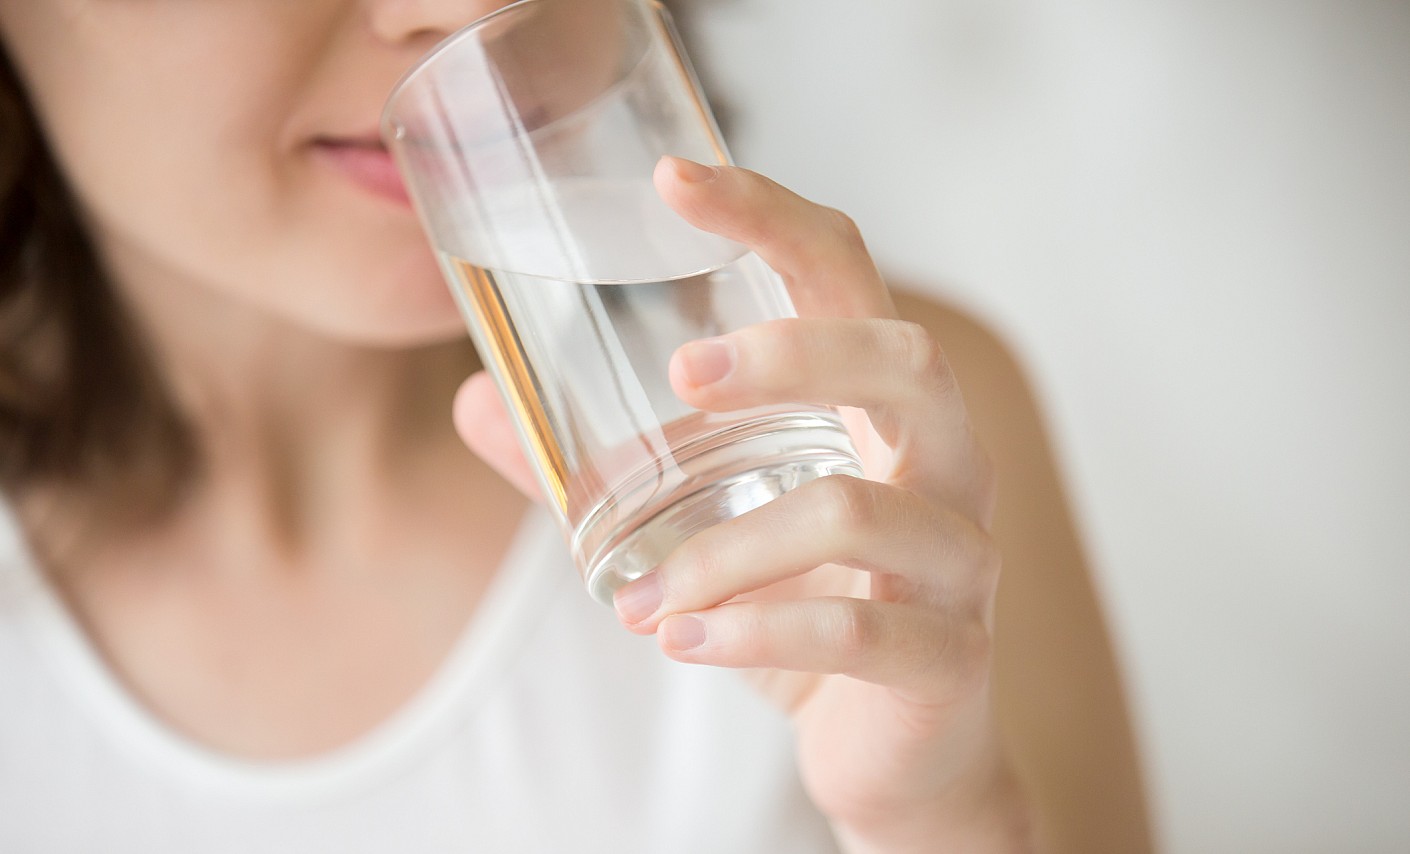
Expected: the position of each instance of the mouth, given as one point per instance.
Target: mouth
(364, 161)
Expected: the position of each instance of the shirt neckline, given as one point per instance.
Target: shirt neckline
(521, 585)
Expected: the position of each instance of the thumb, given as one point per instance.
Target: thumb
(484, 426)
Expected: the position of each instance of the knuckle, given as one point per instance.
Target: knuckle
(974, 552)
(750, 640)
(918, 353)
(848, 504)
(956, 662)
(752, 632)
(754, 209)
(691, 568)
(844, 229)
(777, 349)
(987, 560)
(972, 666)
(859, 630)
(972, 545)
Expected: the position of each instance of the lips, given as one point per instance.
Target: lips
(366, 163)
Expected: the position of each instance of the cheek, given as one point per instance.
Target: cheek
(334, 260)
(245, 219)
(190, 175)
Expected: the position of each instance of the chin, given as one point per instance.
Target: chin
(394, 329)
(407, 306)
(417, 313)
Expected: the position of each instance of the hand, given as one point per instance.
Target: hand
(863, 607)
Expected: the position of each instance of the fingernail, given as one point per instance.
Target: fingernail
(691, 172)
(683, 632)
(707, 361)
(640, 599)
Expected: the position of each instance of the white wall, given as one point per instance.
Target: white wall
(1192, 220)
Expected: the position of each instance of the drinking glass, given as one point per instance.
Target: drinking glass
(527, 141)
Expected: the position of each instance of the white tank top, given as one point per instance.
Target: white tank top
(548, 728)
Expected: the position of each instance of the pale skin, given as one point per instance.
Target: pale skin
(323, 565)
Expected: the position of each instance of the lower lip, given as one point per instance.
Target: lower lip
(370, 168)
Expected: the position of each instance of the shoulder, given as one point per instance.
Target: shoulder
(1048, 618)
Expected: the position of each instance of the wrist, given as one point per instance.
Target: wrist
(986, 812)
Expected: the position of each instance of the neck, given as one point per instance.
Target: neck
(302, 435)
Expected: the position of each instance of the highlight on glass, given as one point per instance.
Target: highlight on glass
(527, 141)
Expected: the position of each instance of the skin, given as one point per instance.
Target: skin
(321, 568)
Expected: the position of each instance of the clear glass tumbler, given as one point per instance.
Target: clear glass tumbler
(527, 141)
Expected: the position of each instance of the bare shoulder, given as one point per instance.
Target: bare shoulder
(1058, 686)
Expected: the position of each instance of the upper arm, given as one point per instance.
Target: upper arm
(1057, 685)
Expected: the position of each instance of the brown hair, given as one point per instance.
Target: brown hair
(81, 407)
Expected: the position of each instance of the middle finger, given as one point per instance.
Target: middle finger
(924, 551)
(892, 369)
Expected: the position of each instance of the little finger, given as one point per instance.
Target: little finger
(923, 651)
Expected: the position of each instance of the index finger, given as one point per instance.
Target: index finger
(818, 251)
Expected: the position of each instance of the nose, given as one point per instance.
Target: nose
(403, 21)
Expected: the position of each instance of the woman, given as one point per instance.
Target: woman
(249, 611)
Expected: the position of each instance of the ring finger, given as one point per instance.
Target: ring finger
(892, 369)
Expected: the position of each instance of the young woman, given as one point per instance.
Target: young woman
(256, 594)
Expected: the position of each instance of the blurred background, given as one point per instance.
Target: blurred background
(1190, 220)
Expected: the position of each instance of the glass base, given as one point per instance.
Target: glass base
(635, 549)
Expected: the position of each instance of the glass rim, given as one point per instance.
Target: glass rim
(408, 77)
